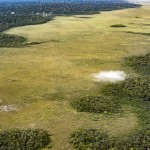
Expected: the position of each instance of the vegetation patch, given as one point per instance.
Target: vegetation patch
(138, 141)
(138, 17)
(34, 43)
(96, 104)
(141, 33)
(56, 40)
(131, 88)
(89, 139)
(140, 64)
(118, 25)
(93, 139)
(134, 91)
(7, 40)
(24, 139)
(83, 17)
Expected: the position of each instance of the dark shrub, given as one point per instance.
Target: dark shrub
(96, 104)
(139, 141)
(7, 40)
(24, 139)
(118, 25)
(141, 64)
(92, 139)
(130, 88)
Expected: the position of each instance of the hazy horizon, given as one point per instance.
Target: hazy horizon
(61, 1)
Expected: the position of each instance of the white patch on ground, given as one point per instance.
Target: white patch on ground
(110, 76)
(7, 108)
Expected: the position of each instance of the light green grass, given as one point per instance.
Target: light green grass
(44, 78)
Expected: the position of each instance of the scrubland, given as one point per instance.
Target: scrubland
(42, 79)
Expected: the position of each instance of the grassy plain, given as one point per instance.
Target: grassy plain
(42, 79)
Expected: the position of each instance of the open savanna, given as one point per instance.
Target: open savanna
(42, 79)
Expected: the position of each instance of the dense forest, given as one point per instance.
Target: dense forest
(29, 13)
(19, 14)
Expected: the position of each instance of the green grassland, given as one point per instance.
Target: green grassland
(42, 79)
